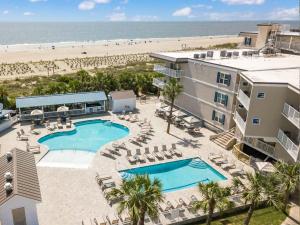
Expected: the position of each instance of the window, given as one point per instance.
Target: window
(260, 95)
(247, 41)
(218, 116)
(221, 98)
(223, 78)
(255, 121)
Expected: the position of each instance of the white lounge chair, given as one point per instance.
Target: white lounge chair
(21, 137)
(175, 151)
(166, 152)
(139, 155)
(35, 149)
(112, 219)
(101, 177)
(157, 154)
(100, 221)
(119, 145)
(227, 166)
(213, 156)
(68, 123)
(237, 172)
(107, 154)
(131, 159)
(148, 155)
(23, 133)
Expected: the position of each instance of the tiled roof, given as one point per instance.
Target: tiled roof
(24, 181)
(122, 94)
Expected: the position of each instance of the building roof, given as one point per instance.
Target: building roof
(24, 176)
(246, 63)
(291, 77)
(34, 101)
(115, 95)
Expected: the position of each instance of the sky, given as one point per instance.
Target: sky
(148, 10)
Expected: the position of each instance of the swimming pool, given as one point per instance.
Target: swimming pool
(87, 136)
(179, 174)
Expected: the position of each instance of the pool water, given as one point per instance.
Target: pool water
(88, 136)
(179, 174)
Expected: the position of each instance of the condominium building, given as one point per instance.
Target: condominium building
(280, 36)
(236, 90)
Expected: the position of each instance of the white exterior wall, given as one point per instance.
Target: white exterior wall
(29, 205)
(119, 104)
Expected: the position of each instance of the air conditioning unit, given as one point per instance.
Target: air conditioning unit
(9, 156)
(202, 55)
(196, 56)
(8, 176)
(8, 187)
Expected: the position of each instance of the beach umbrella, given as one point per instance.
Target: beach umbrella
(265, 167)
(62, 109)
(179, 114)
(36, 112)
(191, 119)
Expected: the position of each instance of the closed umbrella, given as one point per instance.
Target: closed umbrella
(62, 109)
(179, 114)
(191, 119)
(36, 112)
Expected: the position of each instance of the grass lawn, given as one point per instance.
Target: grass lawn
(265, 216)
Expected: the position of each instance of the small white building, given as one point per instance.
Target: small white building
(19, 188)
(122, 101)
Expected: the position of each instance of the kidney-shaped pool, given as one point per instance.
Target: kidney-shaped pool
(87, 136)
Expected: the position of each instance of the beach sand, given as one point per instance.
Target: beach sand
(25, 55)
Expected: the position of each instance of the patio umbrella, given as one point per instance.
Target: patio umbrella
(179, 114)
(168, 109)
(62, 109)
(191, 119)
(265, 167)
(36, 112)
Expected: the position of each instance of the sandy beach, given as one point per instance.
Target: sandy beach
(25, 60)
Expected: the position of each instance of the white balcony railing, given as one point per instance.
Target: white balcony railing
(288, 144)
(239, 121)
(244, 99)
(167, 71)
(260, 145)
(158, 83)
(292, 114)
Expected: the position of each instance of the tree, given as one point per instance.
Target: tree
(214, 197)
(171, 91)
(289, 178)
(140, 195)
(259, 188)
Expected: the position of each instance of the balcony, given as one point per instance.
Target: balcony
(291, 114)
(260, 145)
(167, 71)
(288, 144)
(244, 99)
(158, 83)
(239, 122)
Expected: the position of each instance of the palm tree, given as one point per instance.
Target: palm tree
(171, 91)
(259, 188)
(289, 177)
(214, 197)
(140, 195)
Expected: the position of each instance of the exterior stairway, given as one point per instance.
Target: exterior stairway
(226, 139)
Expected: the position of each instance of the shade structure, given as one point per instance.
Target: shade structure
(62, 109)
(36, 112)
(265, 167)
(191, 119)
(179, 113)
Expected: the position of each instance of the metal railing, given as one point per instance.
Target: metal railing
(288, 144)
(158, 83)
(239, 121)
(269, 149)
(292, 114)
(168, 71)
(244, 99)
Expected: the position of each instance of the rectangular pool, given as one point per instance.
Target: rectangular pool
(178, 174)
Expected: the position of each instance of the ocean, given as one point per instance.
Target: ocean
(12, 33)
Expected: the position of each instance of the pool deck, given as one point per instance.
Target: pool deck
(70, 195)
